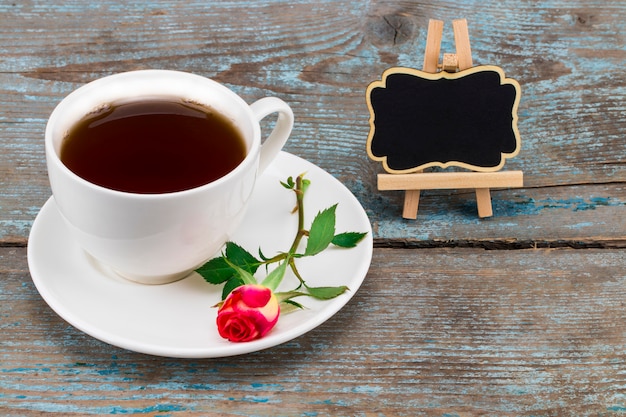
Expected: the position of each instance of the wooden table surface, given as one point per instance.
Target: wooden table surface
(522, 313)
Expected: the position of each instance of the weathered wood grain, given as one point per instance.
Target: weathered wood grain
(455, 330)
(319, 56)
(431, 332)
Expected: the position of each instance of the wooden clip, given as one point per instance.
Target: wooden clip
(459, 61)
(450, 63)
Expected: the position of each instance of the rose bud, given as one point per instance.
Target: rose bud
(248, 313)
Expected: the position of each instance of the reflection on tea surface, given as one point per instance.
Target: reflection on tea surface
(153, 146)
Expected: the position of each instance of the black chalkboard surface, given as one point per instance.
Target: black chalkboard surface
(466, 119)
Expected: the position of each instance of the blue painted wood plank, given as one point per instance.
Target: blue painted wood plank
(433, 332)
(319, 57)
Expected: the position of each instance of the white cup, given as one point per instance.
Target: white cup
(160, 238)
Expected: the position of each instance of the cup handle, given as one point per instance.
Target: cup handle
(276, 140)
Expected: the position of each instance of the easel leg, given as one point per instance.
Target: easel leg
(483, 201)
(411, 202)
(433, 45)
(462, 42)
(431, 59)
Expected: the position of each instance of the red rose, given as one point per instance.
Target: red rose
(248, 313)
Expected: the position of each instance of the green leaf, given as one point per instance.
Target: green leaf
(274, 278)
(216, 271)
(230, 285)
(326, 293)
(348, 239)
(289, 306)
(242, 258)
(220, 269)
(287, 295)
(245, 276)
(322, 231)
(263, 257)
(289, 184)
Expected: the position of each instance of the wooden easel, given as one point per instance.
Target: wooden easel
(480, 181)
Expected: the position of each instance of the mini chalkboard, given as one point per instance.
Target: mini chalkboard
(448, 115)
(466, 119)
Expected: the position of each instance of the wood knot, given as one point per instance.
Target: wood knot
(390, 29)
(585, 19)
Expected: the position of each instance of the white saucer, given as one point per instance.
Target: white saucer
(177, 319)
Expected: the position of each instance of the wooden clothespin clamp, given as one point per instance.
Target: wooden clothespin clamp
(451, 62)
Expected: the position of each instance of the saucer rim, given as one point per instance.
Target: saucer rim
(313, 321)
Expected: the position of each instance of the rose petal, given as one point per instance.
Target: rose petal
(255, 296)
(237, 328)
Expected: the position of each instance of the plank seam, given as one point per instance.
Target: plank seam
(503, 244)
